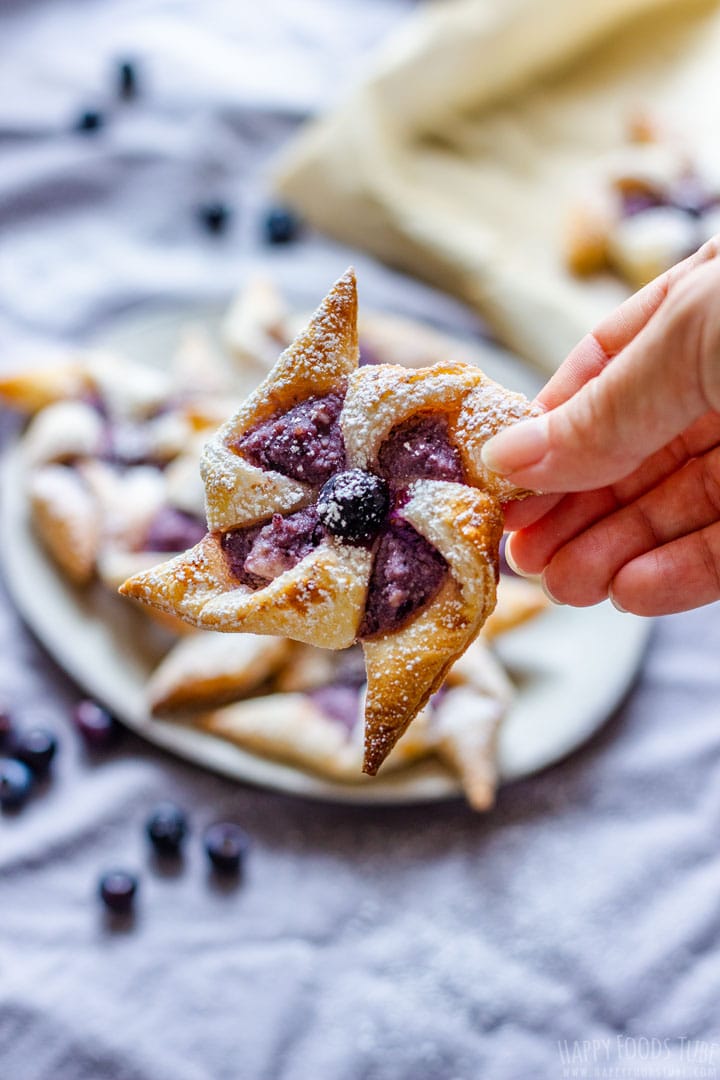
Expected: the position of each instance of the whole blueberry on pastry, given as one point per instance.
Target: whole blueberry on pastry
(349, 503)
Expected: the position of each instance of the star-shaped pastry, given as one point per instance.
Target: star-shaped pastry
(350, 503)
(312, 716)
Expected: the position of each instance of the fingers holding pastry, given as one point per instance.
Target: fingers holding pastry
(582, 571)
(568, 515)
(660, 383)
(615, 332)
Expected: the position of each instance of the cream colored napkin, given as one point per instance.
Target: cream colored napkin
(458, 157)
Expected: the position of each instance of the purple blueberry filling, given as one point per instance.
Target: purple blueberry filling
(350, 669)
(338, 702)
(304, 443)
(340, 699)
(355, 506)
(406, 575)
(261, 553)
(420, 449)
(636, 202)
(173, 530)
(690, 195)
(237, 544)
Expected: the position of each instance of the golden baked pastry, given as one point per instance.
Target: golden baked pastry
(518, 601)
(649, 205)
(350, 503)
(318, 725)
(206, 669)
(111, 455)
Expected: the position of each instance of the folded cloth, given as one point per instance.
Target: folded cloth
(458, 157)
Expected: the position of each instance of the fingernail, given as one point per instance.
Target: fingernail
(510, 560)
(546, 590)
(516, 447)
(615, 604)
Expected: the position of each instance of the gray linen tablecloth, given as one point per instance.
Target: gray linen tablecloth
(569, 929)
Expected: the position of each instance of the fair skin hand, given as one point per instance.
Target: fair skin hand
(628, 454)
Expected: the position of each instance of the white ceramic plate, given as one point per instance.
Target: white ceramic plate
(572, 666)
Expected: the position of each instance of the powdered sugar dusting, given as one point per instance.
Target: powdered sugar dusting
(281, 544)
(240, 494)
(407, 573)
(465, 525)
(183, 585)
(316, 364)
(354, 505)
(485, 412)
(420, 448)
(379, 398)
(304, 442)
(318, 601)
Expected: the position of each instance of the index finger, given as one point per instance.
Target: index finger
(617, 330)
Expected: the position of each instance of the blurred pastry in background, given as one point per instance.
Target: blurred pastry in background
(305, 706)
(319, 723)
(650, 204)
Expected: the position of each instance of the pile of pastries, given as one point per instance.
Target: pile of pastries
(112, 451)
(652, 202)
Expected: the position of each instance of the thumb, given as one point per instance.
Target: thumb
(666, 378)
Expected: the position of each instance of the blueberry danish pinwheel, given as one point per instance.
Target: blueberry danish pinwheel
(350, 503)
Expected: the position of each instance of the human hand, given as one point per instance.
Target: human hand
(630, 450)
